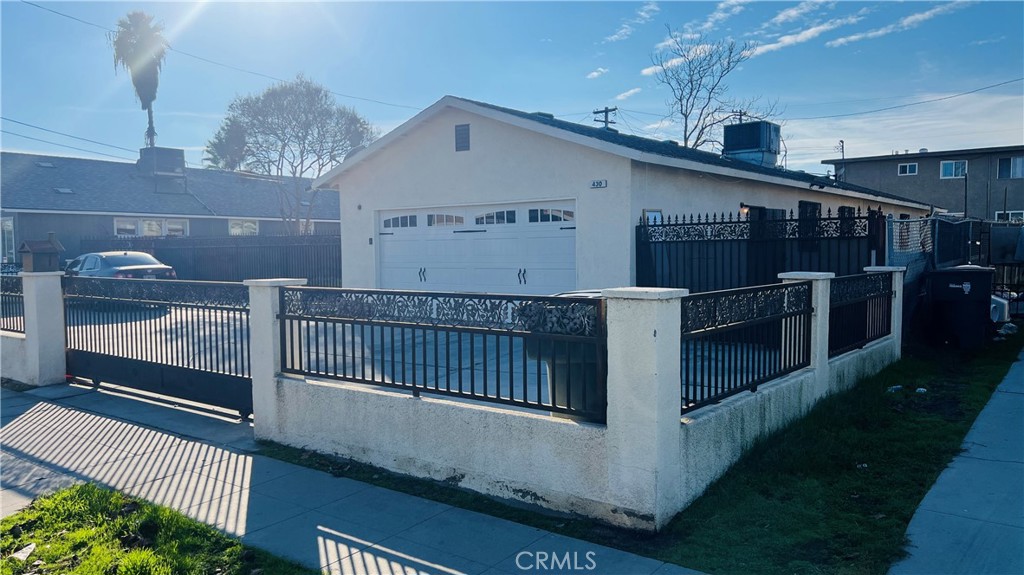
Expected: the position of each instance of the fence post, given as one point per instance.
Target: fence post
(821, 283)
(44, 327)
(644, 400)
(896, 325)
(265, 349)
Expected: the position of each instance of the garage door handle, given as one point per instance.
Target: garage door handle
(567, 228)
(423, 274)
(469, 231)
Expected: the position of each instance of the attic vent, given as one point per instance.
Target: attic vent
(545, 115)
(45, 164)
(461, 137)
(63, 190)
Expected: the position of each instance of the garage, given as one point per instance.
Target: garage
(524, 248)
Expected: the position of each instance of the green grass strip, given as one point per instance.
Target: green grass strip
(87, 530)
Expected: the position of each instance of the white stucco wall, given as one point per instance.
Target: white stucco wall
(504, 164)
(14, 356)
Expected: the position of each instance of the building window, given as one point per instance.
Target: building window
(7, 229)
(462, 137)
(653, 217)
(500, 217)
(243, 227)
(1011, 168)
(907, 170)
(150, 227)
(953, 169)
(1012, 216)
(308, 227)
(444, 220)
(400, 222)
(126, 227)
(551, 215)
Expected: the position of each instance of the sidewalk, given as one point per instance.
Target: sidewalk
(972, 519)
(205, 467)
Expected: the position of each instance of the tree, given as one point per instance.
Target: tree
(695, 69)
(139, 47)
(292, 130)
(227, 148)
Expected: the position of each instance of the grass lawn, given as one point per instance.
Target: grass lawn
(89, 530)
(832, 493)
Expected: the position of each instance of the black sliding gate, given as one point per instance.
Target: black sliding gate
(188, 340)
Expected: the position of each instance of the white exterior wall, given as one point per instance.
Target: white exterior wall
(684, 192)
(37, 356)
(14, 356)
(504, 164)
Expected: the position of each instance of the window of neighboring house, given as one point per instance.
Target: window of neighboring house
(400, 222)
(308, 227)
(907, 170)
(126, 227)
(462, 137)
(653, 217)
(7, 229)
(150, 227)
(952, 169)
(1011, 168)
(1013, 216)
(243, 227)
(444, 220)
(499, 217)
(553, 215)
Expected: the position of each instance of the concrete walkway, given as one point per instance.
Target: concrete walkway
(206, 467)
(972, 520)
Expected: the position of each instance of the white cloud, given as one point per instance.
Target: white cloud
(670, 41)
(988, 41)
(669, 64)
(804, 35)
(796, 12)
(905, 23)
(643, 16)
(627, 94)
(723, 11)
(597, 73)
(971, 121)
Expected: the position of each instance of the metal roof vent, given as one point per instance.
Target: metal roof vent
(64, 190)
(545, 115)
(45, 164)
(923, 151)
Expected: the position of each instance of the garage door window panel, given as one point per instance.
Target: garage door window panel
(440, 220)
(551, 215)
(498, 217)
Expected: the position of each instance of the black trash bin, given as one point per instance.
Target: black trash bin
(960, 299)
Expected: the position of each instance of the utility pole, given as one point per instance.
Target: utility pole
(606, 121)
(841, 173)
(965, 189)
(739, 114)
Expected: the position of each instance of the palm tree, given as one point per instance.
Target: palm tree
(139, 48)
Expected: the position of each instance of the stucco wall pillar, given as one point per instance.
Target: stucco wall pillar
(265, 347)
(821, 283)
(44, 328)
(643, 427)
(896, 326)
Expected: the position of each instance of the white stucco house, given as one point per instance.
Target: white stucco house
(468, 196)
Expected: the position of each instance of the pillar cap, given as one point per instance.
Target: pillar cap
(276, 282)
(40, 274)
(885, 269)
(644, 293)
(807, 276)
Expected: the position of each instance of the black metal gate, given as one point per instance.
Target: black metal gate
(728, 251)
(188, 340)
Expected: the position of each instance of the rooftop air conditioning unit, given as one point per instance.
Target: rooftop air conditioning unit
(754, 142)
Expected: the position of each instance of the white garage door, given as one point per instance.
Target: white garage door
(519, 249)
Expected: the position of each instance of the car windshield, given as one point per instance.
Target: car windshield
(121, 260)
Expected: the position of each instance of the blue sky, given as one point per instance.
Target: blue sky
(825, 63)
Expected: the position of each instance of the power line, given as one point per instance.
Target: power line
(6, 119)
(221, 64)
(65, 145)
(912, 103)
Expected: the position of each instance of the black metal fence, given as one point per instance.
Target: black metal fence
(860, 311)
(545, 353)
(184, 339)
(716, 252)
(12, 304)
(238, 258)
(734, 340)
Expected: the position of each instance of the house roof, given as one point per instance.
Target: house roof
(947, 154)
(69, 185)
(641, 149)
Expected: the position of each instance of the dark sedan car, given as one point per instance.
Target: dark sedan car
(138, 265)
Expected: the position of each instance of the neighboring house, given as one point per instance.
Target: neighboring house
(156, 196)
(467, 196)
(994, 184)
